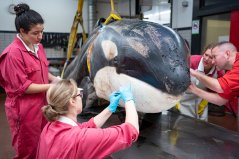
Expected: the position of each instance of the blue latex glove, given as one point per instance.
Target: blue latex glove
(114, 101)
(126, 93)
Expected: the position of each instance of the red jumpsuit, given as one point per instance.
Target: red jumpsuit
(230, 84)
(19, 68)
(83, 141)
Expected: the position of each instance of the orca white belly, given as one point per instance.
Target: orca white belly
(147, 98)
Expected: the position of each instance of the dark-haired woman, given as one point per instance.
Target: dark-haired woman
(24, 76)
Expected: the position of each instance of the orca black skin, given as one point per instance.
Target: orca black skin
(149, 52)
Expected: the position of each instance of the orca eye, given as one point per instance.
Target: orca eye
(115, 61)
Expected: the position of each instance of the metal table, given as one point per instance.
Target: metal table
(173, 136)
(169, 135)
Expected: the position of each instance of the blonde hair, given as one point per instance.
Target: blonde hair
(58, 97)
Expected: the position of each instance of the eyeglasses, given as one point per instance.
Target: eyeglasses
(80, 94)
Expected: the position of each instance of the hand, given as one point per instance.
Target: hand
(126, 93)
(114, 101)
(191, 88)
(56, 79)
(193, 72)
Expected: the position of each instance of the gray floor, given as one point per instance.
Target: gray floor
(6, 151)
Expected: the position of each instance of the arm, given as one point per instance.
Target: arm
(52, 78)
(37, 88)
(115, 138)
(209, 96)
(101, 118)
(131, 114)
(209, 82)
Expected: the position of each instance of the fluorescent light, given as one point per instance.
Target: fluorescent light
(158, 14)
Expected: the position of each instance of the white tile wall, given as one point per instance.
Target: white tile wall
(186, 34)
(7, 38)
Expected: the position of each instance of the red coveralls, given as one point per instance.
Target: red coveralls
(83, 141)
(19, 68)
(230, 85)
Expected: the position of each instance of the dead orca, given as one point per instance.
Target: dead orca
(151, 57)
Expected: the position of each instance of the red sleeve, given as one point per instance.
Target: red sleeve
(98, 143)
(89, 124)
(226, 96)
(13, 71)
(230, 81)
(194, 61)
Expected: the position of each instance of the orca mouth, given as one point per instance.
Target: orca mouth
(167, 79)
(165, 83)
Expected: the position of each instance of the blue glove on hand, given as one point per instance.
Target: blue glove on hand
(126, 93)
(114, 101)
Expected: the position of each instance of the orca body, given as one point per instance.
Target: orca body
(152, 58)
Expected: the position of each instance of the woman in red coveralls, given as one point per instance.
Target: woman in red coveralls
(64, 138)
(24, 76)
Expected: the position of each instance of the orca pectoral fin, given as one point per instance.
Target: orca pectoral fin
(89, 94)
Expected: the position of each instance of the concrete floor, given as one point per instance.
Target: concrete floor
(7, 152)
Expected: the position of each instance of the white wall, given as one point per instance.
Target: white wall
(182, 16)
(123, 8)
(58, 14)
(103, 10)
(159, 14)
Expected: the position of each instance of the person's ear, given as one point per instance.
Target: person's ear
(72, 101)
(22, 31)
(227, 54)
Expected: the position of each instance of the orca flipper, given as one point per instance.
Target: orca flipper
(89, 94)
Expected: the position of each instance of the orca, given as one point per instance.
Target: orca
(152, 58)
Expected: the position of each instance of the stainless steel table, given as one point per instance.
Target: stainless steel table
(173, 136)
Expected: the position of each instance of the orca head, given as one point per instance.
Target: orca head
(150, 57)
(152, 53)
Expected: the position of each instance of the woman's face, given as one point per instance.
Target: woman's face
(34, 36)
(208, 59)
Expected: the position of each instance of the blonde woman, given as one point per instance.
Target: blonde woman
(64, 137)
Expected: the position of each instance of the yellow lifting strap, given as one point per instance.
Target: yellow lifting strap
(78, 19)
(201, 107)
(173, 136)
(113, 14)
(72, 38)
(177, 106)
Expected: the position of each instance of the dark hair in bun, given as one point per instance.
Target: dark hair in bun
(21, 8)
(26, 17)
